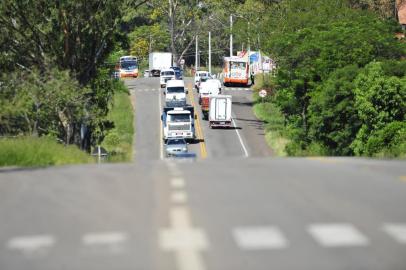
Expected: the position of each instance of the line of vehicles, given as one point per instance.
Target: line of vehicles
(178, 117)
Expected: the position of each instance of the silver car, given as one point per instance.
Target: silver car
(175, 146)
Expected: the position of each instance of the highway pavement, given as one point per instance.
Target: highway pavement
(224, 211)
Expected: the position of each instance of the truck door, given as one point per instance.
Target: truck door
(221, 109)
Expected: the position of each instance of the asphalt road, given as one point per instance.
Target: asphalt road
(237, 213)
(245, 139)
(224, 211)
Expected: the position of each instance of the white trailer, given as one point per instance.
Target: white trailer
(220, 111)
(159, 61)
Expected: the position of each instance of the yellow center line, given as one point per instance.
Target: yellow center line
(198, 128)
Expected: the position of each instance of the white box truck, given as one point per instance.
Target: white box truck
(159, 61)
(220, 111)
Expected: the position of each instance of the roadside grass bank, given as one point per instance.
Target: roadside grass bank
(266, 111)
(274, 122)
(118, 140)
(37, 152)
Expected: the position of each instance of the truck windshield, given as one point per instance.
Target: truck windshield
(180, 117)
(167, 73)
(175, 90)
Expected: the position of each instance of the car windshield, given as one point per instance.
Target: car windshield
(129, 65)
(175, 90)
(180, 117)
(167, 73)
(176, 141)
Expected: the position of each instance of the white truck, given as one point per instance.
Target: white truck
(178, 122)
(159, 61)
(166, 75)
(175, 93)
(220, 111)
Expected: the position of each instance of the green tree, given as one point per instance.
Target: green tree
(380, 100)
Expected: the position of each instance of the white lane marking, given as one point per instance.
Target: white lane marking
(259, 238)
(337, 235)
(239, 138)
(111, 242)
(106, 238)
(185, 241)
(179, 197)
(177, 182)
(397, 231)
(31, 244)
(173, 169)
(161, 143)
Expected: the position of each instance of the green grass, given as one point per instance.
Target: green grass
(35, 152)
(118, 141)
(274, 126)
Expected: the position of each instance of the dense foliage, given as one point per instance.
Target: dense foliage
(341, 81)
(52, 57)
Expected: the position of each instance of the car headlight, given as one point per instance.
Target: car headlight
(184, 149)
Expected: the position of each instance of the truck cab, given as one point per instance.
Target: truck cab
(166, 75)
(178, 122)
(207, 89)
(175, 93)
(204, 75)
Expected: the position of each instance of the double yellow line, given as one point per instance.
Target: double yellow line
(198, 127)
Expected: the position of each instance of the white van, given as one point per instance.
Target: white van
(166, 75)
(200, 74)
(175, 93)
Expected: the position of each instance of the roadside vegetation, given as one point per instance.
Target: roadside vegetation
(340, 85)
(44, 151)
(119, 139)
(56, 78)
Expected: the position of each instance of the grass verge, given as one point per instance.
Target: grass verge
(36, 152)
(118, 141)
(274, 125)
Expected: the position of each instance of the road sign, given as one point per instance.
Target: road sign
(182, 61)
(262, 93)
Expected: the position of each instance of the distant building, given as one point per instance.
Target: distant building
(401, 7)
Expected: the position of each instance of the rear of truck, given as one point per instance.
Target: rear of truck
(220, 111)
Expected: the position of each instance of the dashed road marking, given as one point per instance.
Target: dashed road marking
(337, 235)
(106, 238)
(179, 197)
(112, 242)
(396, 231)
(185, 241)
(259, 238)
(31, 245)
(177, 182)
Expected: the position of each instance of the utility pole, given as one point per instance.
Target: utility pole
(209, 52)
(197, 48)
(231, 35)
